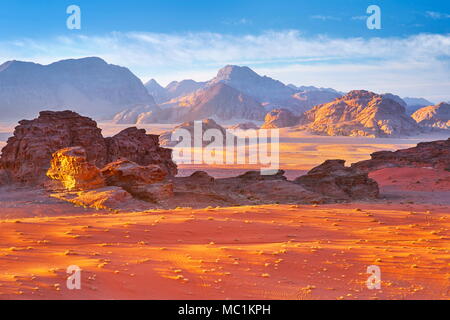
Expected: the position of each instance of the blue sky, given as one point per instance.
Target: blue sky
(322, 43)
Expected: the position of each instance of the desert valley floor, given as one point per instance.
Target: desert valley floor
(278, 251)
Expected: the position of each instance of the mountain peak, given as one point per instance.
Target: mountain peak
(152, 83)
(231, 72)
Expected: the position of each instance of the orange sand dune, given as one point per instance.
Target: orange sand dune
(261, 252)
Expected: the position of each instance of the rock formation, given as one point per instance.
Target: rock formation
(280, 118)
(108, 198)
(207, 124)
(335, 180)
(143, 182)
(360, 113)
(26, 157)
(437, 116)
(71, 168)
(138, 146)
(434, 154)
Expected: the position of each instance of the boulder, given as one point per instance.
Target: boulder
(71, 168)
(109, 198)
(143, 182)
(335, 180)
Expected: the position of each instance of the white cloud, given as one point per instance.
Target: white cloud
(437, 15)
(414, 65)
(325, 18)
(359, 18)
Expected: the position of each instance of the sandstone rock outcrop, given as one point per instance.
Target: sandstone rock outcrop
(437, 116)
(4, 177)
(108, 198)
(71, 168)
(435, 154)
(207, 124)
(26, 157)
(360, 113)
(280, 118)
(335, 180)
(136, 145)
(143, 182)
(246, 189)
(27, 154)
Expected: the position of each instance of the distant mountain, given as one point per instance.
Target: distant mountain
(158, 93)
(360, 113)
(135, 114)
(437, 116)
(280, 118)
(244, 79)
(273, 94)
(235, 93)
(414, 104)
(395, 98)
(218, 101)
(89, 86)
(177, 89)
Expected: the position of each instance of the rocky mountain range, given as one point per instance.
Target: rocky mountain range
(235, 93)
(437, 116)
(89, 85)
(360, 113)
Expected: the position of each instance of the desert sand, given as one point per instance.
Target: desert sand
(247, 252)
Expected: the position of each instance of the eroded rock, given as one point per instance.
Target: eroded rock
(143, 182)
(71, 168)
(27, 155)
(335, 180)
(435, 154)
(280, 118)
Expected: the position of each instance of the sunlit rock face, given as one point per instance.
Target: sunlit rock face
(334, 179)
(26, 157)
(360, 113)
(437, 116)
(28, 153)
(71, 168)
(143, 182)
(280, 118)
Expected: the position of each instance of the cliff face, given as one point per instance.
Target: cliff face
(437, 116)
(26, 157)
(360, 113)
